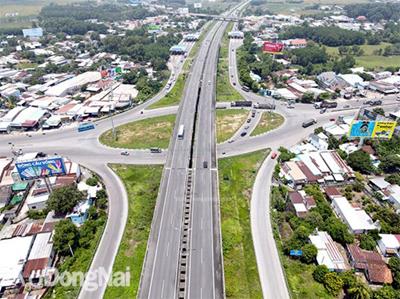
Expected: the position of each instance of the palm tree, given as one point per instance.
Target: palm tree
(359, 291)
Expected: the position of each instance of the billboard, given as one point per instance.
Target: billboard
(270, 47)
(384, 129)
(38, 168)
(372, 129)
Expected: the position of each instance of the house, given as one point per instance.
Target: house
(394, 195)
(319, 141)
(356, 219)
(293, 174)
(328, 252)
(379, 183)
(40, 258)
(80, 212)
(352, 80)
(13, 255)
(332, 192)
(389, 244)
(300, 202)
(330, 80)
(370, 263)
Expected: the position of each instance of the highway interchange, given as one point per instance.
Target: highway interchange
(162, 258)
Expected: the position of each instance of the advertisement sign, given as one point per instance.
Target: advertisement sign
(271, 47)
(38, 168)
(362, 128)
(384, 129)
(372, 129)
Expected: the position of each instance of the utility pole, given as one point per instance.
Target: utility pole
(111, 97)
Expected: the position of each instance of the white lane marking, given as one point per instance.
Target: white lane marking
(201, 223)
(201, 255)
(167, 249)
(162, 289)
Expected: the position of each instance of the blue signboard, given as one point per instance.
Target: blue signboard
(38, 168)
(362, 128)
(296, 252)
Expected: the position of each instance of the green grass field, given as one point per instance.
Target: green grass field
(228, 121)
(146, 133)
(225, 91)
(269, 121)
(141, 183)
(236, 177)
(369, 59)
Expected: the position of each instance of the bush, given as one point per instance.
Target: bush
(92, 181)
(320, 272)
(333, 283)
(309, 253)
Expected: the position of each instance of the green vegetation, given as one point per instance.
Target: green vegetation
(225, 91)
(141, 183)
(63, 200)
(82, 241)
(146, 133)
(228, 122)
(236, 176)
(268, 122)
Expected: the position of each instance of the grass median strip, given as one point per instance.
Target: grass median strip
(236, 177)
(269, 121)
(228, 122)
(141, 183)
(225, 91)
(146, 133)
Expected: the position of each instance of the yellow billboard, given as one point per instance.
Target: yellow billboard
(384, 129)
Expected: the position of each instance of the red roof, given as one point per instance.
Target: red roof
(332, 191)
(34, 265)
(311, 178)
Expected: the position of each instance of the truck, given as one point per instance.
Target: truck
(309, 122)
(155, 150)
(264, 106)
(85, 126)
(181, 131)
(328, 104)
(241, 104)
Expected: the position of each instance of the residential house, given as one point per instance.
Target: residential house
(328, 252)
(300, 203)
(389, 244)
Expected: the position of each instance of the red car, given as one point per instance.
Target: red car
(273, 155)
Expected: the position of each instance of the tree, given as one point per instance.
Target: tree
(320, 272)
(66, 237)
(333, 283)
(309, 253)
(390, 163)
(338, 230)
(285, 154)
(92, 181)
(308, 97)
(359, 291)
(379, 110)
(360, 161)
(62, 200)
(333, 143)
(386, 292)
(349, 279)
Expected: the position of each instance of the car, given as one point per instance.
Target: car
(141, 112)
(231, 141)
(322, 111)
(125, 153)
(273, 155)
(243, 134)
(233, 50)
(346, 106)
(205, 164)
(234, 83)
(332, 119)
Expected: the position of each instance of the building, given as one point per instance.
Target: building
(389, 244)
(293, 174)
(328, 252)
(13, 255)
(300, 203)
(40, 258)
(370, 263)
(33, 33)
(80, 212)
(356, 219)
(73, 84)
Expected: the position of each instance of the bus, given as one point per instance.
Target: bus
(328, 104)
(181, 131)
(85, 126)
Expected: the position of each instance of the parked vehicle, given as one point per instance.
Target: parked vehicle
(309, 122)
(245, 88)
(273, 155)
(243, 134)
(125, 153)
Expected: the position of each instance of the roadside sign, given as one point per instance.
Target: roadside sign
(296, 252)
(384, 129)
(372, 129)
(39, 168)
